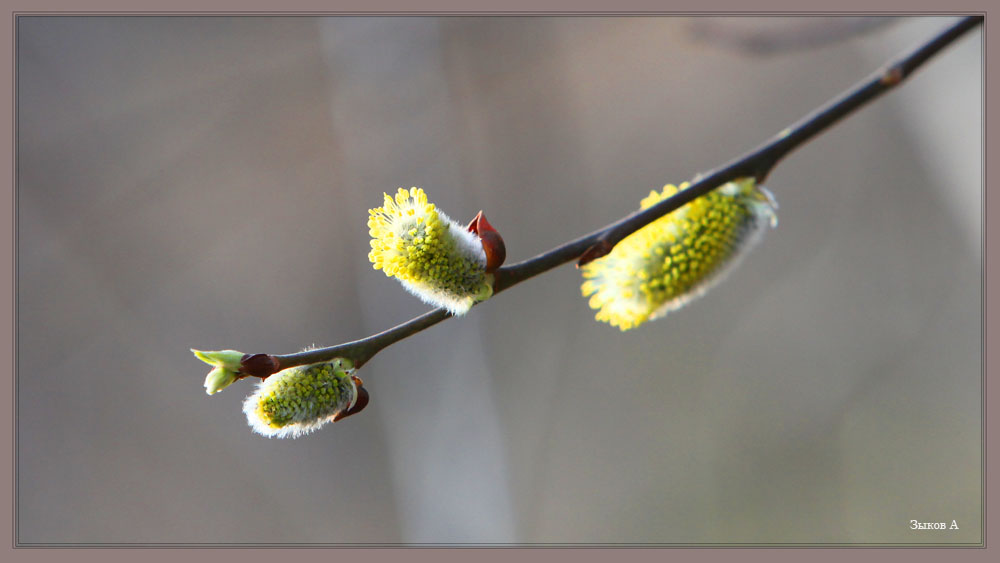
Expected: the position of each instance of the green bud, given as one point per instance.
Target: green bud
(229, 359)
(218, 379)
(227, 368)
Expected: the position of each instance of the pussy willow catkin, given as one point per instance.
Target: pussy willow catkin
(678, 257)
(301, 399)
(434, 257)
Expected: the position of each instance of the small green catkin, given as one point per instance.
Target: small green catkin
(299, 400)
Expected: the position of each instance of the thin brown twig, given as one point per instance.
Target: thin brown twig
(757, 164)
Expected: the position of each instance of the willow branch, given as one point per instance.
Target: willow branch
(757, 164)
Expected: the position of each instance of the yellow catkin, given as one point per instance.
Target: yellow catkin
(676, 258)
(434, 257)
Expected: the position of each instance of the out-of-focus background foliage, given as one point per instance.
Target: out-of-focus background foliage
(204, 182)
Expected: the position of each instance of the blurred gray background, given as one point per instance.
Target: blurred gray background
(204, 182)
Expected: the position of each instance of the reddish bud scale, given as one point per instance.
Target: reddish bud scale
(359, 403)
(493, 245)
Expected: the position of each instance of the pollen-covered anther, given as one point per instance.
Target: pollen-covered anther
(678, 257)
